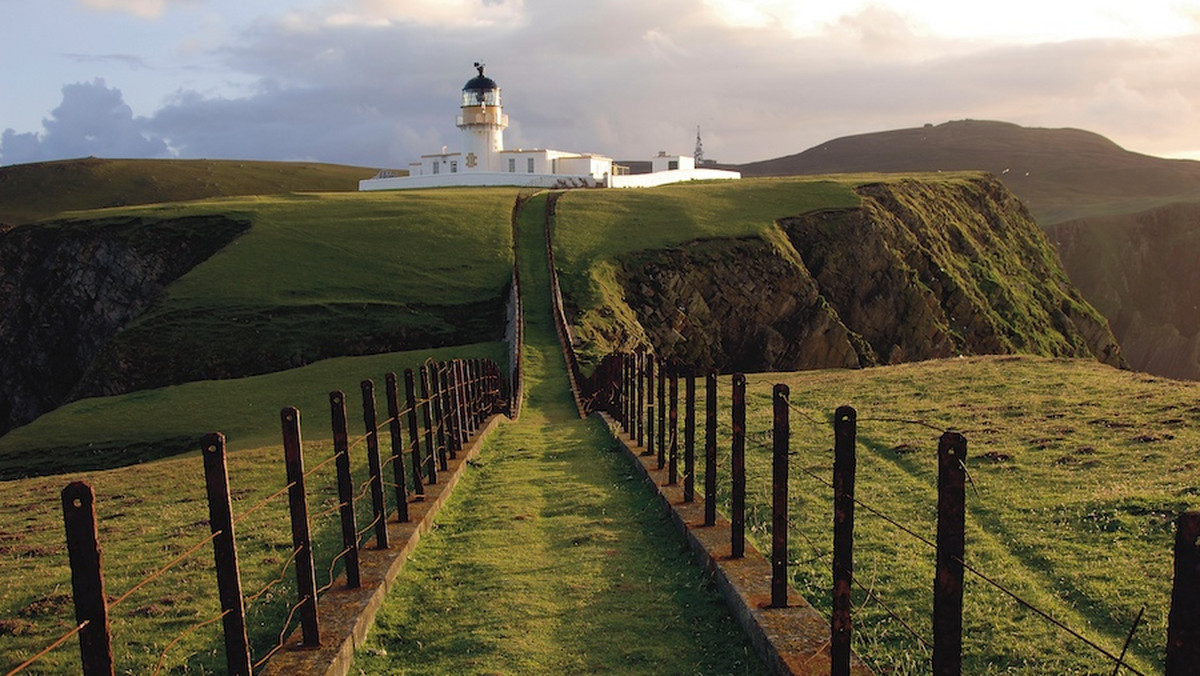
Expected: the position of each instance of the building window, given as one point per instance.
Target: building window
(453, 166)
(529, 165)
(512, 165)
(673, 165)
(436, 167)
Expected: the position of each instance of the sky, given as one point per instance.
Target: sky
(376, 83)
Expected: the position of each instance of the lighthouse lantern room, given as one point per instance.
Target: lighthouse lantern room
(482, 122)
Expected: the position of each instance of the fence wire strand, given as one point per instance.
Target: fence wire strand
(278, 580)
(50, 648)
(163, 570)
(162, 657)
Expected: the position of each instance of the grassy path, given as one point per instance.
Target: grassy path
(551, 557)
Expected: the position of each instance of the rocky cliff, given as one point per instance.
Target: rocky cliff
(67, 288)
(922, 270)
(1140, 271)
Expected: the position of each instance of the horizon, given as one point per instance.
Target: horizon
(375, 82)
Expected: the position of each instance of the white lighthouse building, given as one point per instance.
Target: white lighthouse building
(482, 122)
(484, 160)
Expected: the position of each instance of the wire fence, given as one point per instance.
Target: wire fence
(642, 394)
(444, 405)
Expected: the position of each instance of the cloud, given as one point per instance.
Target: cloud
(91, 120)
(133, 61)
(376, 82)
(147, 9)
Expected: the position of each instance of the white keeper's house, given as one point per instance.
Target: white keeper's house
(484, 160)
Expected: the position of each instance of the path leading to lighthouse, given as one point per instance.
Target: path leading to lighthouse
(552, 556)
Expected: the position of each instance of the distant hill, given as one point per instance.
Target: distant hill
(31, 192)
(1061, 174)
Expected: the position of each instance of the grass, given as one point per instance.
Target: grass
(552, 557)
(1077, 472)
(597, 232)
(153, 512)
(32, 192)
(105, 432)
(318, 276)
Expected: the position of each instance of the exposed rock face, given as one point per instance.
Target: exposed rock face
(923, 270)
(932, 270)
(1140, 270)
(736, 305)
(67, 288)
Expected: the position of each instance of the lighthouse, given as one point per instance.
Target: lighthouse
(482, 121)
(484, 160)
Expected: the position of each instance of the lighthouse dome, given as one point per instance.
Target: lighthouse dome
(481, 90)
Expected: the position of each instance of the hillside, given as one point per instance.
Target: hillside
(1059, 173)
(118, 300)
(774, 274)
(31, 192)
(1124, 223)
(1139, 270)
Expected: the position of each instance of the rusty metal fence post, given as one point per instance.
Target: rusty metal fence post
(1183, 624)
(710, 449)
(650, 362)
(673, 432)
(779, 493)
(662, 413)
(627, 388)
(414, 441)
(397, 459)
(447, 408)
(229, 579)
(427, 422)
(87, 579)
(948, 580)
(439, 418)
(345, 487)
(306, 577)
(737, 469)
(689, 437)
(638, 417)
(845, 433)
(374, 465)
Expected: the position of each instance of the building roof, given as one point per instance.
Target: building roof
(480, 82)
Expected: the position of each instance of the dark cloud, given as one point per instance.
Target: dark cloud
(91, 120)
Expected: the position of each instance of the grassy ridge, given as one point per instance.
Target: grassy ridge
(104, 432)
(320, 276)
(1077, 473)
(596, 231)
(594, 228)
(31, 192)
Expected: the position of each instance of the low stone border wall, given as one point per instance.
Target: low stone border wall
(348, 614)
(792, 641)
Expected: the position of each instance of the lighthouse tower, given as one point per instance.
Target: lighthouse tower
(482, 122)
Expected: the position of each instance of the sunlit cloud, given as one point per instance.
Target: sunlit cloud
(436, 13)
(147, 9)
(1013, 20)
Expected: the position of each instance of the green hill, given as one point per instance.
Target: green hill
(1059, 173)
(306, 277)
(31, 192)
(803, 273)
